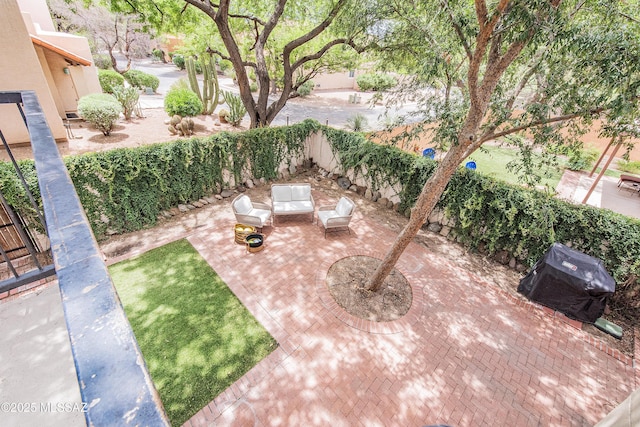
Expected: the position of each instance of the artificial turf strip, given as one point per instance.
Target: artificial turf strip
(195, 335)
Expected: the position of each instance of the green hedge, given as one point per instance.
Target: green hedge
(142, 80)
(125, 190)
(496, 216)
(109, 79)
(376, 81)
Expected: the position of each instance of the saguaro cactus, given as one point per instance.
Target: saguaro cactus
(210, 88)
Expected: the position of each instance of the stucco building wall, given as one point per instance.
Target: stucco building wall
(57, 66)
(21, 70)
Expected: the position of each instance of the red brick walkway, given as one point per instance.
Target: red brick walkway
(467, 354)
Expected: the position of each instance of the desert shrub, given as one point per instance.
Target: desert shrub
(100, 109)
(158, 55)
(357, 123)
(581, 159)
(182, 101)
(128, 98)
(629, 166)
(225, 66)
(178, 60)
(109, 79)
(142, 80)
(237, 109)
(103, 62)
(376, 81)
(305, 88)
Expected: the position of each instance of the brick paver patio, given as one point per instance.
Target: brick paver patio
(467, 353)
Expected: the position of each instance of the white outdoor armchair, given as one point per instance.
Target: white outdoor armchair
(336, 217)
(250, 213)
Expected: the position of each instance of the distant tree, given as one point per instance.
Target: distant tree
(282, 44)
(108, 31)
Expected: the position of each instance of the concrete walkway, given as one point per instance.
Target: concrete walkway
(38, 383)
(574, 186)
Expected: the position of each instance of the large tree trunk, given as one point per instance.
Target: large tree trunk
(430, 195)
(482, 80)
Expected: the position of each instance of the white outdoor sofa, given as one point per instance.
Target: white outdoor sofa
(291, 199)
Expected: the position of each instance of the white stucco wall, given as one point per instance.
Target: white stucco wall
(318, 149)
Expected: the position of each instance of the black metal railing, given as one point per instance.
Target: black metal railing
(112, 375)
(16, 238)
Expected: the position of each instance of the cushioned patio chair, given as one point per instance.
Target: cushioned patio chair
(336, 217)
(250, 213)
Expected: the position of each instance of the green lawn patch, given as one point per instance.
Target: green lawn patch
(493, 161)
(195, 335)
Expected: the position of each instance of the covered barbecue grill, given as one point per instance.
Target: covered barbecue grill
(569, 281)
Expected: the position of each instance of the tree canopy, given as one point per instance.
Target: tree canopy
(483, 70)
(283, 43)
(107, 31)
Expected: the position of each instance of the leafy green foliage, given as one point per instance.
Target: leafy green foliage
(126, 189)
(376, 81)
(582, 159)
(305, 88)
(109, 79)
(171, 295)
(629, 166)
(15, 194)
(182, 101)
(142, 80)
(103, 62)
(179, 61)
(128, 98)
(101, 110)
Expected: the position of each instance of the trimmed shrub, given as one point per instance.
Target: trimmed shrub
(158, 55)
(109, 79)
(103, 62)
(182, 101)
(101, 110)
(305, 88)
(582, 159)
(376, 81)
(178, 60)
(142, 80)
(225, 66)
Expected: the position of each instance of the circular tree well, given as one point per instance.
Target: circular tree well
(347, 279)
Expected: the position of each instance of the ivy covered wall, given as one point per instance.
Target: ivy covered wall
(124, 190)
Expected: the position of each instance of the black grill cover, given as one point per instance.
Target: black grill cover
(570, 282)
